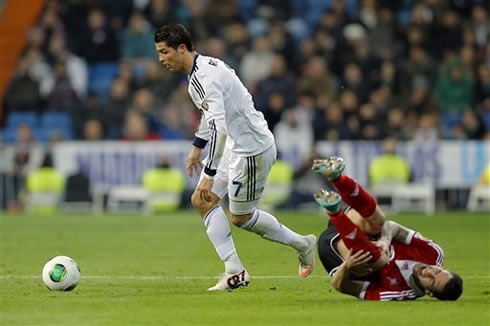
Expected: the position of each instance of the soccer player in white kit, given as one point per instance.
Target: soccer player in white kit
(240, 155)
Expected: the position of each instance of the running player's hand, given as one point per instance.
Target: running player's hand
(357, 259)
(194, 161)
(204, 189)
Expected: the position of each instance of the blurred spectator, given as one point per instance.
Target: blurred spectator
(354, 80)
(93, 130)
(278, 81)
(143, 103)
(20, 159)
(482, 87)
(395, 124)
(179, 118)
(418, 65)
(99, 43)
(160, 82)
(389, 167)
(256, 64)
(237, 41)
(274, 10)
(420, 100)
(387, 77)
(427, 129)
(454, 89)
(481, 25)
(136, 128)
(371, 128)
(471, 126)
(329, 124)
(63, 96)
(40, 70)
(23, 92)
(276, 105)
(282, 42)
(115, 108)
(76, 68)
(383, 36)
(201, 24)
(317, 80)
(137, 40)
(485, 176)
(160, 12)
(291, 132)
(91, 110)
(450, 36)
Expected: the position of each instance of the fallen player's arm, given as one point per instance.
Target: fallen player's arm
(341, 280)
(394, 231)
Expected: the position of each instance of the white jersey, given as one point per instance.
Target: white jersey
(228, 112)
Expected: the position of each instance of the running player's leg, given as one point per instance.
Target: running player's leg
(216, 223)
(352, 236)
(248, 176)
(352, 193)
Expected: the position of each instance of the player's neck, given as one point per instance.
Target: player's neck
(189, 61)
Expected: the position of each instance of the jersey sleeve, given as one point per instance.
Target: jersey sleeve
(371, 291)
(202, 134)
(209, 93)
(427, 251)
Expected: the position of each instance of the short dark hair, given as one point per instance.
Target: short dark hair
(174, 35)
(452, 290)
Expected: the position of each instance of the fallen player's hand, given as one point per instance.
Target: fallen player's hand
(384, 247)
(359, 258)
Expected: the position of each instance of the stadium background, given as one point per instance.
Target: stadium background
(80, 83)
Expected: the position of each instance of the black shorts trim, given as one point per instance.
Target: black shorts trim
(329, 256)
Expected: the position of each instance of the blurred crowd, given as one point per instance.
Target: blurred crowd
(318, 70)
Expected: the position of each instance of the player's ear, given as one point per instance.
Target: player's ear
(181, 49)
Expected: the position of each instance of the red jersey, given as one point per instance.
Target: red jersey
(394, 281)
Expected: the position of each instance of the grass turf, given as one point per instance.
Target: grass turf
(135, 268)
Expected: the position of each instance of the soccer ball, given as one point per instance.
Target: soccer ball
(61, 273)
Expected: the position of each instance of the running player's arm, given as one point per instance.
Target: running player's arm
(202, 134)
(342, 282)
(212, 106)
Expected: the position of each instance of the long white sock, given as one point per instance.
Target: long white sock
(218, 230)
(267, 226)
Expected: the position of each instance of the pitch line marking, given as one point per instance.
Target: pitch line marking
(196, 277)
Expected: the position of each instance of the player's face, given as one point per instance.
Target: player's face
(169, 57)
(431, 277)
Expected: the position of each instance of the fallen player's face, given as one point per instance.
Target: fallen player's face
(431, 277)
(168, 56)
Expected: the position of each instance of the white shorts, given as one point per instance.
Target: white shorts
(243, 178)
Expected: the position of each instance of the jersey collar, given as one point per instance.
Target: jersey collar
(194, 65)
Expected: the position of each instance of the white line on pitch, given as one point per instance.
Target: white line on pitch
(196, 277)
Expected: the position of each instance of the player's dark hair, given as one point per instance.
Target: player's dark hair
(452, 290)
(174, 35)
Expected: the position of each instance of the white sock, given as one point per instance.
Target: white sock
(267, 226)
(218, 230)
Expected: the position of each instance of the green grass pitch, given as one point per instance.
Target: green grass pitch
(139, 270)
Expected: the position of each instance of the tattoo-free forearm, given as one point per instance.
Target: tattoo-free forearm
(341, 278)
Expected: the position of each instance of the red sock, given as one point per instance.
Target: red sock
(354, 238)
(355, 196)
